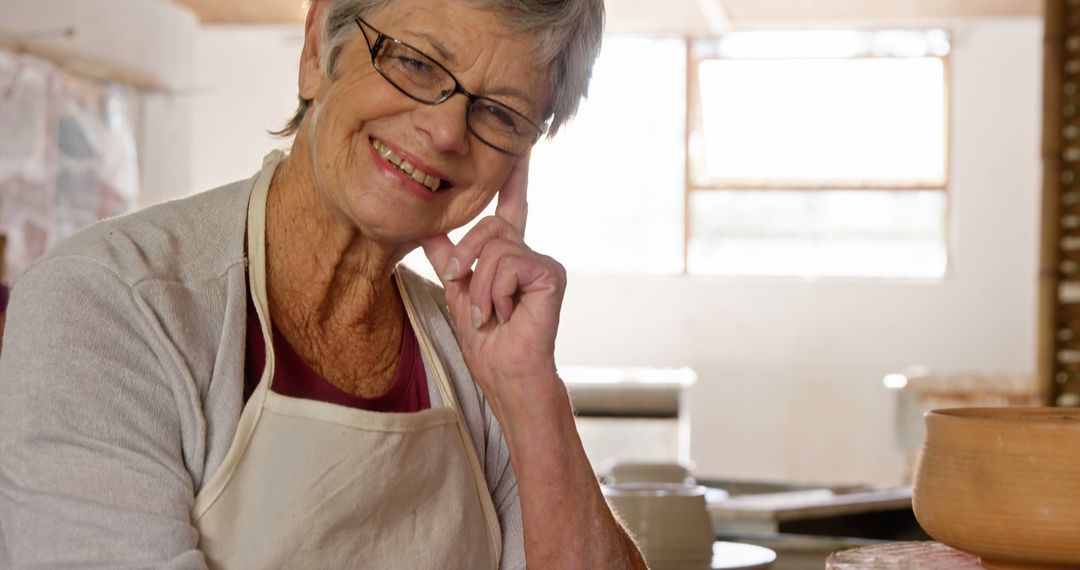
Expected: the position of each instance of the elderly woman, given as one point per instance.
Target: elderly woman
(248, 379)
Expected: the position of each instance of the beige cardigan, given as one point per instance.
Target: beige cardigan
(121, 383)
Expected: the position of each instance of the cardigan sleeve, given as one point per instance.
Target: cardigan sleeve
(92, 471)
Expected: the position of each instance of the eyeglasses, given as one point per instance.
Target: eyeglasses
(425, 80)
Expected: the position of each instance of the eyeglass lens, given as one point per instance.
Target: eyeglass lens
(423, 79)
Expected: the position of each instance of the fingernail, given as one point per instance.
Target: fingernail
(499, 317)
(476, 317)
(452, 270)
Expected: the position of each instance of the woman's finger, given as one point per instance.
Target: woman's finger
(480, 284)
(440, 252)
(520, 275)
(513, 203)
(504, 286)
(468, 249)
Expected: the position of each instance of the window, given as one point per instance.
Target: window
(818, 154)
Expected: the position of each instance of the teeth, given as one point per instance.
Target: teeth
(431, 182)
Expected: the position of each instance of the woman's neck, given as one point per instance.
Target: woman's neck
(329, 287)
(314, 251)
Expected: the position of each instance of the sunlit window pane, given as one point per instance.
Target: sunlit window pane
(832, 233)
(820, 122)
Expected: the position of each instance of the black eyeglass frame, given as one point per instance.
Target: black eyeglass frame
(377, 46)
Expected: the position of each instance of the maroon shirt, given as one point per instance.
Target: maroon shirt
(293, 377)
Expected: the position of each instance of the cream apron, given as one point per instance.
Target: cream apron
(309, 484)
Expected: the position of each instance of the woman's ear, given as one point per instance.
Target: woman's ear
(311, 74)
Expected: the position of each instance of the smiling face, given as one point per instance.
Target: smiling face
(376, 153)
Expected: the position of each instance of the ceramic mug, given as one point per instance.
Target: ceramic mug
(669, 520)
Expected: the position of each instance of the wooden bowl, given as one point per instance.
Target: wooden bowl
(1004, 484)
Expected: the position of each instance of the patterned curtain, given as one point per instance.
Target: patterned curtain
(67, 155)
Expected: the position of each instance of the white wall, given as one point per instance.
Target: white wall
(146, 42)
(790, 371)
(246, 79)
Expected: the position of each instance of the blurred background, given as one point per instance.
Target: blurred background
(790, 227)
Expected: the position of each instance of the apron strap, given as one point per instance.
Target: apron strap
(442, 380)
(256, 258)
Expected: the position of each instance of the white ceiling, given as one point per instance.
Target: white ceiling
(691, 16)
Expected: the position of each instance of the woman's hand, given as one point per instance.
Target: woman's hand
(507, 313)
(506, 309)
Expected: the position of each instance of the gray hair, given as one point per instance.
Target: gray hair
(567, 32)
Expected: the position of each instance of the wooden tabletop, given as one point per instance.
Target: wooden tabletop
(924, 555)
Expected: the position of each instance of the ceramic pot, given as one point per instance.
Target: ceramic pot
(1004, 484)
(670, 522)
